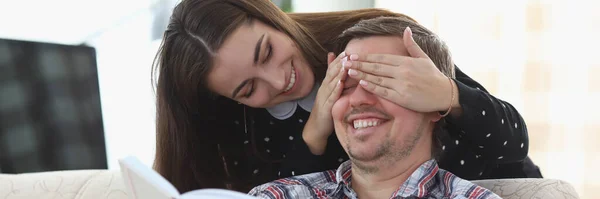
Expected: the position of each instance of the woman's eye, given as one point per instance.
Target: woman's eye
(250, 91)
(269, 52)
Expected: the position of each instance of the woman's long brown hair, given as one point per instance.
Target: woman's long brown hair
(191, 135)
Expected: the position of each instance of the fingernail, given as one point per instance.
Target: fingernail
(363, 82)
(338, 83)
(347, 63)
(408, 30)
(352, 72)
(343, 53)
(354, 57)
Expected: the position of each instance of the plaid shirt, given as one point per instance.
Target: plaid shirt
(428, 181)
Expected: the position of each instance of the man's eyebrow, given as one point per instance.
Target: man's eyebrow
(257, 48)
(237, 90)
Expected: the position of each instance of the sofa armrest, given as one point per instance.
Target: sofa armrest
(529, 188)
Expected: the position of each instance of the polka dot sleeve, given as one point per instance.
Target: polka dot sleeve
(493, 127)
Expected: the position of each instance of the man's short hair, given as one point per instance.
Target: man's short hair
(429, 42)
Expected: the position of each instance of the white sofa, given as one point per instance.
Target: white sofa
(100, 184)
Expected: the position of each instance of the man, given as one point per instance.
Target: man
(392, 149)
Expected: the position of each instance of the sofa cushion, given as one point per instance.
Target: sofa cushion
(99, 184)
(63, 185)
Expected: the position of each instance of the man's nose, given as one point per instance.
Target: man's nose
(361, 97)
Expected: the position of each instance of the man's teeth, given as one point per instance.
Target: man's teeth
(292, 80)
(358, 124)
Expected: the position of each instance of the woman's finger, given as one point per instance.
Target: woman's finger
(411, 46)
(379, 80)
(330, 57)
(335, 95)
(389, 59)
(379, 69)
(381, 91)
(334, 67)
(340, 77)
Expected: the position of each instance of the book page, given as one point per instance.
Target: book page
(215, 194)
(144, 183)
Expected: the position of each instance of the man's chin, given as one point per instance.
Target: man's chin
(364, 156)
(368, 164)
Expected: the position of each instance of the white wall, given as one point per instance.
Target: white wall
(329, 5)
(125, 55)
(63, 21)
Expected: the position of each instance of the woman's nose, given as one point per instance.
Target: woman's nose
(275, 76)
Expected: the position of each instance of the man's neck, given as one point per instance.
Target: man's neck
(388, 178)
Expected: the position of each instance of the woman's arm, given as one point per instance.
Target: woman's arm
(320, 124)
(492, 125)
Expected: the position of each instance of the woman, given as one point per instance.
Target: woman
(244, 97)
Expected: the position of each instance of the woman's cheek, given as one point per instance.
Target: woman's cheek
(261, 98)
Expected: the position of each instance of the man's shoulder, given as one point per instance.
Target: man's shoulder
(302, 186)
(458, 187)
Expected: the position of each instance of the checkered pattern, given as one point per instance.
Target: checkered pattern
(428, 181)
(50, 116)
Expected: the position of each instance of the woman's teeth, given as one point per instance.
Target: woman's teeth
(359, 124)
(292, 80)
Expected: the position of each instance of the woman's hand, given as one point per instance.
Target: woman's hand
(320, 123)
(413, 82)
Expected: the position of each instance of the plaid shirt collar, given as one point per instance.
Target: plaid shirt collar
(416, 185)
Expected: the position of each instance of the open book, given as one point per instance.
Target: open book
(144, 183)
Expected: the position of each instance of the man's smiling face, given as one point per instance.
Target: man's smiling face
(371, 128)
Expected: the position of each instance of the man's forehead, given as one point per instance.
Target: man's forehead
(377, 45)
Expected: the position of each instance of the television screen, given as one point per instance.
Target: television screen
(50, 114)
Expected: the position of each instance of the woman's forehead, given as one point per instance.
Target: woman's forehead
(242, 46)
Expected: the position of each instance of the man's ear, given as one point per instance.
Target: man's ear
(435, 116)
